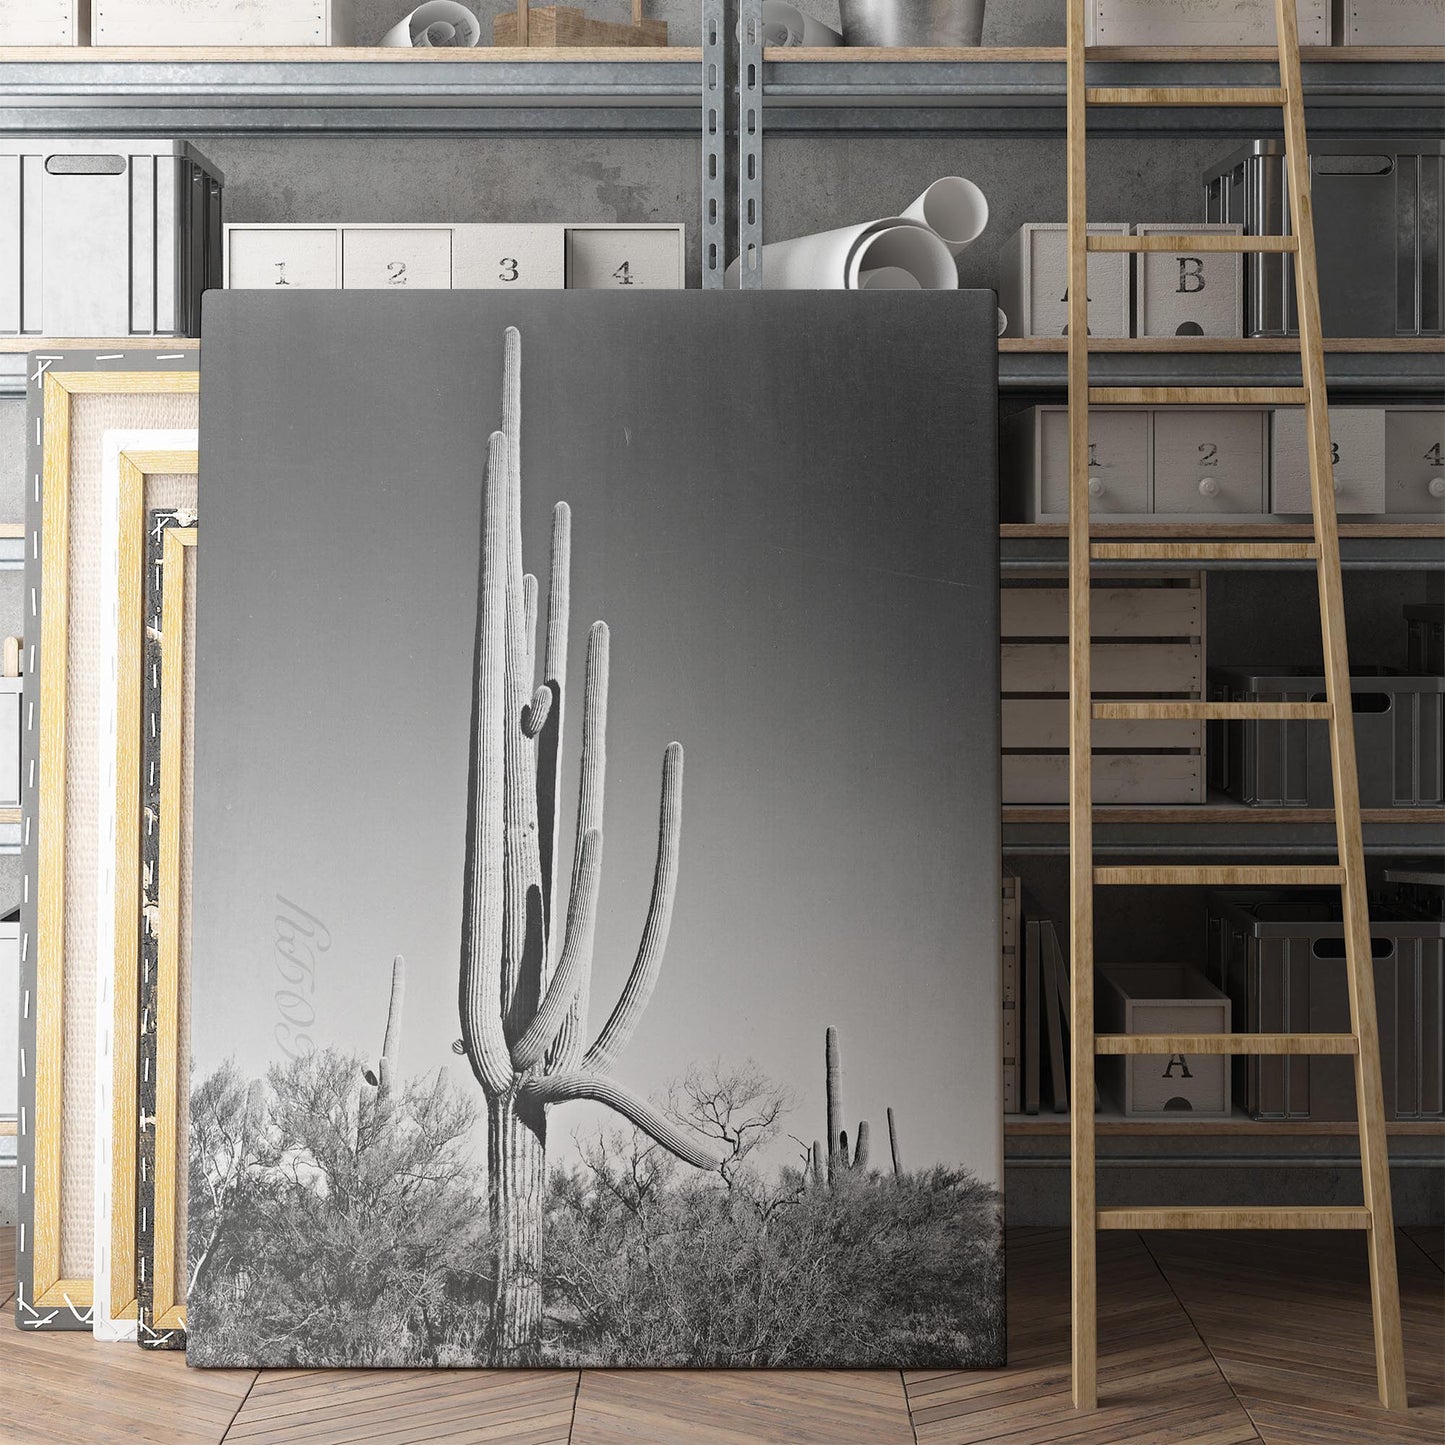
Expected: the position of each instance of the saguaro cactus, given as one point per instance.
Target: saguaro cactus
(525, 979)
(893, 1144)
(838, 1155)
(385, 1075)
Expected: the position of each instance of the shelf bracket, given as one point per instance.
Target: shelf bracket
(750, 144)
(714, 143)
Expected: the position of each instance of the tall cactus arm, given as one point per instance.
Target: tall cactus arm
(893, 1144)
(590, 795)
(391, 1040)
(576, 961)
(619, 1028)
(529, 621)
(833, 1086)
(483, 1041)
(560, 1088)
(534, 719)
(549, 741)
(860, 1148)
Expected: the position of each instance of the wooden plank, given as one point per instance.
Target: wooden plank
(1115, 611)
(338, 54)
(1205, 551)
(1043, 722)
(1198, 395)
(1226, 1044)
(1217, 1216)
(1215, 811)
(1214, 345)
(1359, 968)
(1270, 95)
(1183, 241)
(1206, 710)
(1236, 876)
(1041, 779)
(1133, 668)
(1239, 1126)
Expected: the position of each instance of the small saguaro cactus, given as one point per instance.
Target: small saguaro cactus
(525, 978)
(893, 1144)
(385, 1075)
(838, 1156)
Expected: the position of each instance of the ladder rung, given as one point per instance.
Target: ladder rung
(1185, 95)
(1198, 395)
(1216, 711)
(1187, 241)
(1206, 551)
(1266, 1044)
(1227, 876)
(1213, 1216)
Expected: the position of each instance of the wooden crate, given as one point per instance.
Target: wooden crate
(1148, 643)
(552, 26)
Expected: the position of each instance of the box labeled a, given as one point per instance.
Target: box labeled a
(1189, 292)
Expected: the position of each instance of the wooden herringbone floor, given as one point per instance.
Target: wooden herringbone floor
(1204, 1340)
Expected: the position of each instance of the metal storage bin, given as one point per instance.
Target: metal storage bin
(1425, 637)
(1280, 958)
(1377, 210)
(1398, 729)
(106, 237)
(1151, 998)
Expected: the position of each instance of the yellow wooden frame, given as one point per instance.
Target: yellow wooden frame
(48, 1288)
(169, 1308)
(135, 467)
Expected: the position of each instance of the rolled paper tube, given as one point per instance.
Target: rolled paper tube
(437, 25)
(887, 278)
(954, 209)
(830, 260)
(786, 25)
(1002, 321)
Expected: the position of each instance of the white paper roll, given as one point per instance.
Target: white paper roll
(786, 25)
(888, 278)
(1002, 321)
(439, 24)
(954, 208)
(835, 260)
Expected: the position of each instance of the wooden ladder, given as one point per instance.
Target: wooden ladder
(1375, 1218)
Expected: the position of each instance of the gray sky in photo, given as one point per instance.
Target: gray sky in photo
(786, 515)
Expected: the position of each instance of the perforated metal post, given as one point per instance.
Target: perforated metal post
(715, 82)
(750, 144)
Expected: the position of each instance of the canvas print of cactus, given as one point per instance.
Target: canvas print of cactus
(470, 1088)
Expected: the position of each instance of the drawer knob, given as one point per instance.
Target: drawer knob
(1436, 486)
(1208, 487)
(1096, 486)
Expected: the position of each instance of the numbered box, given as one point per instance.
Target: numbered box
(502, 258)
(1037, 461)
(1389, 22)
(1189, 293)
(1200, 22)
(1357, 446)
(603, 256)
(1209, 462)
(1033, 287)
(221, 22)
(387, 258)
(1415, 459)
(296, 258)
(56, 22)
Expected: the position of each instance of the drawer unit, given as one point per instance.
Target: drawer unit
(1147, 998)
(1148, 641)
(1399, 736)
(1036, 462)
(383, 258)
(1357, 453)
(1209, 462)
(1183, 293)
(599, 257)
(517, 258)
(106, 237)
(1415, 459)
(301, 258)
(1389, 22)
(1033, 287)
(1281, 959)
(1200, 22)
(1425, 637)
(1377, 213)
(221, 22)
(44, 22)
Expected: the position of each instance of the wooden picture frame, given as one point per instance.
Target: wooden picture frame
(142, 469)
(74, 397)
(161, 932)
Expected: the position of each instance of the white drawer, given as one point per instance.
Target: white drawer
(1189, 293)
(221, 22)
(1357, 437)
(599, 257)
(1208, 461)
(276, 257)
(386, 258)
(1034, 282)
(1118, 462)
(1389, 22)
(1200, 22)
(1414, 459)
(54, 22)
(503, 258)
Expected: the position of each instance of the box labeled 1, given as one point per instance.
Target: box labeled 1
(283, 258)
(1357, 455)
(601, 257)
(508, 258)
(1189, 293)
